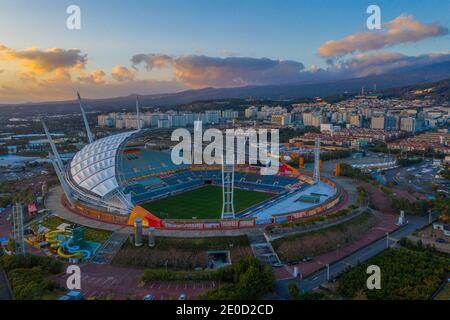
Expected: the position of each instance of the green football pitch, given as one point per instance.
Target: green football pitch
(202, 203)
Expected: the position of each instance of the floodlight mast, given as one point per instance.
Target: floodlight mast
(138, 114)
(86, 124)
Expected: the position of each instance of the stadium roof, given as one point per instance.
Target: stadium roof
(93, 167)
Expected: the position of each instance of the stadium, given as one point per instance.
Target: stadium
(119, 178)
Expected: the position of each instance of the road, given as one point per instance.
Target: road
(320, 277)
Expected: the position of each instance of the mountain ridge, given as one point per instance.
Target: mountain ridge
(401, 78)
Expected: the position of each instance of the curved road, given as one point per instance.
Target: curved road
(320, 277)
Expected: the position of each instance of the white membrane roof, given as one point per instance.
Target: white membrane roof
(93, 167)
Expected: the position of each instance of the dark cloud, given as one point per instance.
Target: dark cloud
(201, 71)
(383, 62)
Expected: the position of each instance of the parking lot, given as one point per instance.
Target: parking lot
(418, 178)
(112, 282)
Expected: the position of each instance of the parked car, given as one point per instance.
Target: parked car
(149, 297)
(307, 259)
(440, 240)
(182, 297)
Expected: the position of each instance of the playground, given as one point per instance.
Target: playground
(70, 243)
(67, 241)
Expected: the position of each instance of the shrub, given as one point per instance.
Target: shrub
(294, 291)
(47, 264)
(30, 284)
(249, 278)
(294, 247)
(167, 275)
(246, 279)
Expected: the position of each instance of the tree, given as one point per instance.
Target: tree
(294, 291)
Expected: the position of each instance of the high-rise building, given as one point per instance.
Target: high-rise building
(177, 120)
(312, 119)
(355, 120)
(211, 116)
(251, 112)
(377, 123)
(230, 114)
(281, 119)
(408, 124)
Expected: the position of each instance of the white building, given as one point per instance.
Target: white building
(251, 112)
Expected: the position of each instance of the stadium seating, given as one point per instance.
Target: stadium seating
(150, 175)
(146, 162)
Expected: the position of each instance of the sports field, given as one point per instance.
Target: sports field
(203, 203)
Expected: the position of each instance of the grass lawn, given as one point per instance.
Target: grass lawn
(203, 203)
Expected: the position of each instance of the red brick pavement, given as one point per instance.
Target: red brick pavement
(386, 223)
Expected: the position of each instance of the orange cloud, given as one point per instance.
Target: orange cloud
(36, 61)
(122, 74)
(95, 77)
(402, 29)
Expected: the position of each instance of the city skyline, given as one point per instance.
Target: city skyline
(160, 48)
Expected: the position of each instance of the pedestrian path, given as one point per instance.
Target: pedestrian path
(263, 250)
(106, 253)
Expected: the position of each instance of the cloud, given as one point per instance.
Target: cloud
(57, 60)
(123, 74)
(402, 29)
(201, 71)
(95, 77)
(362, 65)
(151, 60)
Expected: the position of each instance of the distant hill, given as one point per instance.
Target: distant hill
(439, 91)
(400, 78)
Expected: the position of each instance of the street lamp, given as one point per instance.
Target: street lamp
(387, 240)
(328, 272)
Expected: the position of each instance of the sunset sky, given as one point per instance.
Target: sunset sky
(146, 47)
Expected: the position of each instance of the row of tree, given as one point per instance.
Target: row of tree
(405, 274)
